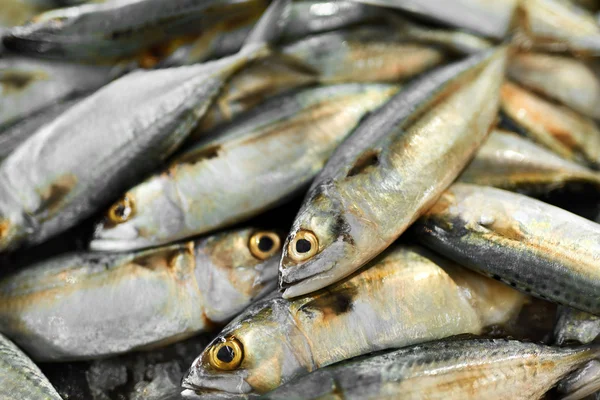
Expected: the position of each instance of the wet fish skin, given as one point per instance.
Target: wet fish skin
(28, 85)
(581, 383)
(407, 295)
(509, 161)
(558, 128)
(140, 299)
(533, 246)
(44, 191)
(568, 80)
(379, 170)
(449, 369)
(575, 326)
(119, 28)
(20, 378)
(299, 130)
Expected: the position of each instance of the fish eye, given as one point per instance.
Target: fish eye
(227, 355)
(304, 246)
(122, 210)
(264, 244)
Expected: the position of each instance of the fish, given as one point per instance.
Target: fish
(511, 162)
(581, 383)
(29, 85)
(307, 17)
(557, 26)
(363, 54)
(567, 80)
(15, 134)
(246, 167)
(20, 378)
(490, 18)
(117, 29)
(574, 326)
(477, 368)
(556, 127)
(537, 248)
(44, 190)
(406, 296)
(140, 300)
(432, 128)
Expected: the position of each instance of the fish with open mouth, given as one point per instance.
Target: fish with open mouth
(20, 378)
(391, 169)
(451, 369)
(264, 158)
(140, 299)
(535, 247)
(406, 296)
(112, 144)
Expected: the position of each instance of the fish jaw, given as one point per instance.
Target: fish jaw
(120, 238)
(206, 386)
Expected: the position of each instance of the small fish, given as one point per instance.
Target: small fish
(490, 18)
(558, 26)
(581, 383)
(396, 163)
(560, 129)
(13, 136)
(574, 326)
(531, 245)
(45, 190)
(138, 300)
(263, 158)
(511, 162)
(451, 369)
(306, 18)
(20, 378)
(406, 296)
(28, 85)
(120, 28)
(567, 80)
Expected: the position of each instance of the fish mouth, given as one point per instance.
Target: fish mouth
(120, 245)
(205, 386)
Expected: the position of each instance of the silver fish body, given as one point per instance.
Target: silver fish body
(119, 28)
(451, 369)
(20, 378)
(511, 162)
(88, 305)
(533, 246)
(574, 326)
(244, 168)
(581, 383)
(28, 85)
(556, 127)
(380, 179)
(406, 296)
(567, 80)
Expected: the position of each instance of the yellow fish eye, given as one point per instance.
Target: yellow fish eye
(304, 246)
(122, 210)
(264, 244)
(227, 355)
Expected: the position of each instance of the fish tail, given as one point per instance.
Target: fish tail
(267, 30)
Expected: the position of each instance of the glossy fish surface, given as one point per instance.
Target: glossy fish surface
(560, 129)
(263, 158)
(88, 305)
(533, 246)
(509, 161)
(118, 28)
(451, 369)
(574, 326)
(380, 171)
(567, 80)
(20, 378)
(44, 191)
(406, 296)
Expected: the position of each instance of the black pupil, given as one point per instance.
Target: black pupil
(265, 243)
(226, 354)
(120, 210)
(303, 246)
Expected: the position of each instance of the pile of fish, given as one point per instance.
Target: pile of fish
(350, 199)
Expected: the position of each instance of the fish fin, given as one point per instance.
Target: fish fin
(268, 28)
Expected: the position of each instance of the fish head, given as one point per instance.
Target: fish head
(251, 355)
(318, 244)
(236, 267)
